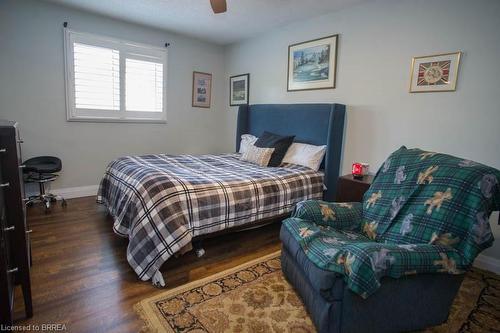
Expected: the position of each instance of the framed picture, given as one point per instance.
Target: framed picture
(202, 89)
(239, 87)
(312, 64)
(435, 72)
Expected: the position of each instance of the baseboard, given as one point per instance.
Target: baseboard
(487, 263)
(76, 192)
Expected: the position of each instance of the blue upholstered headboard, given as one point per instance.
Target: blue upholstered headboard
(317, 124)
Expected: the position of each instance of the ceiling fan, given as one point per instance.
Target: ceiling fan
(218, 6)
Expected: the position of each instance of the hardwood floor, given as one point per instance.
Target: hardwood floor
(81, 278)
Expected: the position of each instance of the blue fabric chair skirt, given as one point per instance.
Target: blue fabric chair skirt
(405, 304)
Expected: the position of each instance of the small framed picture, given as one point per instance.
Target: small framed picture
(239, 87)
(435, 72)
(312, 64)
(202, 89)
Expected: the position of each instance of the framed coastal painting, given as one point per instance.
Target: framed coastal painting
(239, 87)
(202, 89)
(312, 64)
(435, 72)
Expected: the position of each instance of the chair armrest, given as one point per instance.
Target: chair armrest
(346, 215)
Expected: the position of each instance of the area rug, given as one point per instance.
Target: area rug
(255, 297)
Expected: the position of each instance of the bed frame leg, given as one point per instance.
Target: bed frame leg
(158, 280)
(198, 248)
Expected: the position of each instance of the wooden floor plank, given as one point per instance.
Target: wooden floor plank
(81, 278)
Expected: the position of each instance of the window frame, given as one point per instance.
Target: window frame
(130, 50)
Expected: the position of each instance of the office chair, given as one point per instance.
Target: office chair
(41, 170)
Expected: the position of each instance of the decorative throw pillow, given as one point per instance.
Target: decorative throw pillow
(247, 140)
(256, 155)
(278, 142)
(309, 156)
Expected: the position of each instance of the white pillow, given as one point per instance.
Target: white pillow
(246, 141)
(307, 155)
(257, 155)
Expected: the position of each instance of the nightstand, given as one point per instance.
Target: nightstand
(350, 189)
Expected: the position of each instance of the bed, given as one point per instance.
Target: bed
(162, 203)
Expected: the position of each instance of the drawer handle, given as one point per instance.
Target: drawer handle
(9, 228)
(3, 150)
(5, 185)
(22, 166)
(13, 270)
(29, 231)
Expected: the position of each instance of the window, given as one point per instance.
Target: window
(112, 80)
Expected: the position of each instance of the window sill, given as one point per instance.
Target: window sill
(116, 120)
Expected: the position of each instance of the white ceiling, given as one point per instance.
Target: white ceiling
(243, 19)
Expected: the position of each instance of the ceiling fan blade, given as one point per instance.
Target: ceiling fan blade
(218, 6)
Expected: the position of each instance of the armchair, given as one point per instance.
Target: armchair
(396, 261)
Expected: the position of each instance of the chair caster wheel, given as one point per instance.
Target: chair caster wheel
(64, 203)
(29, 204)
(53, 199)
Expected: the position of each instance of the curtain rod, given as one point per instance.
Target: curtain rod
(65, 24)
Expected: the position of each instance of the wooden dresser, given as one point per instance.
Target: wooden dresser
(14, 236)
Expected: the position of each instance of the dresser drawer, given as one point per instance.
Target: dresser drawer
(6, 228)
(14, 256)
(6, 275)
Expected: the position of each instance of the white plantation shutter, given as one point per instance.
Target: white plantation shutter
(97, 77)
(112, 80)
(143, 85)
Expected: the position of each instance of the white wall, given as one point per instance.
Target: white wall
(377, 42)
(32, 93)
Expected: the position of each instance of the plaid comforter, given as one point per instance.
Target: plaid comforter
(160, 201)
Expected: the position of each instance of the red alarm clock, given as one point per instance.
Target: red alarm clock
(359, 170)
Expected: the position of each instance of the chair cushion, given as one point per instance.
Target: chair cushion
(361, 261)
(43, 164)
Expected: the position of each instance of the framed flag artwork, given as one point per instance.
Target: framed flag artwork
(435, 72)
